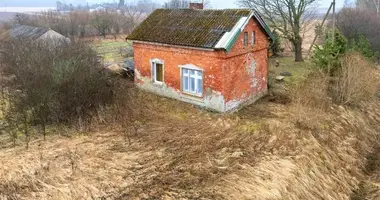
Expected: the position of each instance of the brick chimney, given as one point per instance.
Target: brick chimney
(196, 6)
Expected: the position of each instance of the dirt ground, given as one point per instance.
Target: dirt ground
(272, 149)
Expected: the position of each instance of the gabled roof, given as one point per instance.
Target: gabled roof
(27, 32)
(215, 29)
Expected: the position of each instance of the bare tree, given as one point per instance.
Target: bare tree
(184, 3)
(21, 18)
(369, 5)
(177, 4)
(102, 21)
(147, 6)
(286, 16)
(356, 22)
(132, 16)
(79, 23)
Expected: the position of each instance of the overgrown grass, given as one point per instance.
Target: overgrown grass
(178, 151)
(299, 70)
(111, 50)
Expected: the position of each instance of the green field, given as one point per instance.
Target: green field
(111, 50)
(299, 70)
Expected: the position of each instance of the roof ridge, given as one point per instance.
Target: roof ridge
(189, 27)
(210, 9)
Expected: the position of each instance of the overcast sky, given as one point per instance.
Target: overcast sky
(49, 3)
(232, 3)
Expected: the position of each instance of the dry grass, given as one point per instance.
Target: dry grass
(182, 152)
(357, 79)
(299, 150)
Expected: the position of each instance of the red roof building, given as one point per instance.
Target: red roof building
(215, 59)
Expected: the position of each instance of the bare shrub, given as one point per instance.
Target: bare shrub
(310, 100)
(313, 92)
(80, 23)
(125, 109)
(356, 80)
(47, 84)
(356, 22)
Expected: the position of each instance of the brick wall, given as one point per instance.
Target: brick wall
(209, 61)
(245, 79)
(229, 78)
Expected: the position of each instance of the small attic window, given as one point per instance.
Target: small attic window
(245, 39)
(253, 38)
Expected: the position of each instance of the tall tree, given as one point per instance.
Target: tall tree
(102, 22)
(371, 5)
(288, 17)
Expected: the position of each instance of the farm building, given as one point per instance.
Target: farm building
(35, 33)
(216, 59)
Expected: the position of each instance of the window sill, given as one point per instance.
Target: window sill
(158, 84)
(188, 94)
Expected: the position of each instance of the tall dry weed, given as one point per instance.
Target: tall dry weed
(313, 92)
(357, 80)
(310, 100)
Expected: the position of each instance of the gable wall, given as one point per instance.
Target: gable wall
(52, 35)
(244, 80)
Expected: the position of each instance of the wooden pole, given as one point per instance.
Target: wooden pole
(333, 22)
(316, 36)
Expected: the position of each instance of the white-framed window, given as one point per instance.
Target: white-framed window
(157, 71)
(192, 80)
(253, 38)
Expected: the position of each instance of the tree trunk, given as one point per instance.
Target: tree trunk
(298, 50)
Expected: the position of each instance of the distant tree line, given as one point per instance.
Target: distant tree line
(97, 19)
(84, 23)
(360, 22)
(146, 6)
(184, 3)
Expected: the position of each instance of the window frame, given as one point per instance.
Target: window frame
(196, 77)
(253, 39)
(153, 63)
(245, 39)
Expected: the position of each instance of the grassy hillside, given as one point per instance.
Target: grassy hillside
(273, 149)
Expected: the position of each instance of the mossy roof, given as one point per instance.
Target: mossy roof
(27, 32)
(188, 27)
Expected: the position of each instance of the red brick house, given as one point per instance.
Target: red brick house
(216, 59)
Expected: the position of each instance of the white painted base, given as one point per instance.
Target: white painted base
(214, 101)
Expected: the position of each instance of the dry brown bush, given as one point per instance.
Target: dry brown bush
(310, 100)
(313, 92)
(125, 108)
(357, 80)
(50, 85)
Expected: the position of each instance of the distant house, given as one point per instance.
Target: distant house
(99, 8)
(211, 58)
(35, 33)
